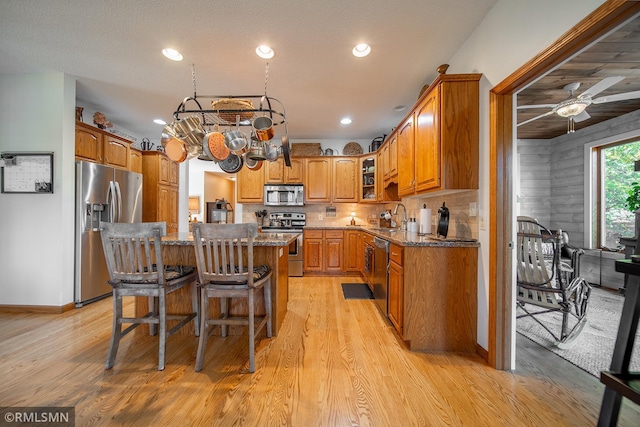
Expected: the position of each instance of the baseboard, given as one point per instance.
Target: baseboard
(40, 309)
(482, 352)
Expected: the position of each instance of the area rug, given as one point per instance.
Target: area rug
(593, 349)
(356, 291)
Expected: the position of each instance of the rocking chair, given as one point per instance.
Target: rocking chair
(547, 283)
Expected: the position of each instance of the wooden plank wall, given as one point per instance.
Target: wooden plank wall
(534, 167)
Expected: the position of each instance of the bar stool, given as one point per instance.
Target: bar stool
(134, 260)
(224, 273)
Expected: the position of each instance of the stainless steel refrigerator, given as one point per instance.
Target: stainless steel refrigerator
(103, 194)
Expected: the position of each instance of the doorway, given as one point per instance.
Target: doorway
(502, 144)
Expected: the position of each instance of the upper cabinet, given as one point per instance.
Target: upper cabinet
(368, 181)
(250, 186)
(88, 143)
(406, 157)
(345, 179)
(98, 146)
(438, 142)
(317, 180)
(278, 173)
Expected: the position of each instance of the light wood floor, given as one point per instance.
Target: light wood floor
(334, 363)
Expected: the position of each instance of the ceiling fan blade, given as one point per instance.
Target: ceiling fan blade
(522, 107)
(581, 117)
(548, 113)
(617, 97)
(603, 84)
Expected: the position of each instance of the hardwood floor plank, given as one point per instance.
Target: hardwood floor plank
(334, 362)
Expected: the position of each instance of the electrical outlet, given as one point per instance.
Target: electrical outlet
(473, 209)
(320, 217)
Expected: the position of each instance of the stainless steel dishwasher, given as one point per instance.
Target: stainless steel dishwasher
(380, 274)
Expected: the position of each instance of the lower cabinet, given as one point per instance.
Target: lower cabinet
(395, 293)
(351, 251)
(323, 251)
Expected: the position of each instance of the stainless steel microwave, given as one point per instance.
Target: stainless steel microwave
(284, 195)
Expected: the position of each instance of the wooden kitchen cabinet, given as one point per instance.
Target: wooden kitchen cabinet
(324, 251)
(250, 186)
(334, 251)
(368, 179)
(345, 179)
(447, 135)
(406, 157)
(313, 251)
(317, 180)
(115, 151)
(135, 160)
(396, 287)
(440, 302)
(353, 251)
(88, 143)
(98, 146)
(278, 173)
(427, 170)
(160, 189)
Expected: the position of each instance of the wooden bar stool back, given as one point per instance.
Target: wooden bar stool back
(134, 260)
(224, 273)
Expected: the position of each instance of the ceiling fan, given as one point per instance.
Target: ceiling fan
(574, 108)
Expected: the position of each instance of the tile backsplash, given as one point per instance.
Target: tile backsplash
(461, 223)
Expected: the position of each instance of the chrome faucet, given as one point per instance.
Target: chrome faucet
(404, 221)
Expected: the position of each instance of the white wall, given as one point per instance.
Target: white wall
(37, 113)
(513, 32)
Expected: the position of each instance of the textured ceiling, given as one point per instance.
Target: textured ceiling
(113, 49)
(616, 55)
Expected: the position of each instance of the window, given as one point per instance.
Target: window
(614, 167)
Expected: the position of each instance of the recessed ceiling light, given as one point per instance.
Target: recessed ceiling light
(265, 52)
(361, 50)
(159, 121)
(172, 54)
(346, 121)
(399, 108)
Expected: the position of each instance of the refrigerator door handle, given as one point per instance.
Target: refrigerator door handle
(118, 195)
(111, 202)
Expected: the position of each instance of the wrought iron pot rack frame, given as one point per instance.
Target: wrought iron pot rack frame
(267, 106)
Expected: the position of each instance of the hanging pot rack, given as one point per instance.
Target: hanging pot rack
(267, 106)
(224, 110)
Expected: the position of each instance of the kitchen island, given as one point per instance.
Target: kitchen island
(269, 249)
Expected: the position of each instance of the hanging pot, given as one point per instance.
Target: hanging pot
(176, 149)
(231, 164)
(286, 152)
(270, 151)
(214, 142)
(443, 221)
(252, 164)
(263, 127)
(256, 152)
(235, 140)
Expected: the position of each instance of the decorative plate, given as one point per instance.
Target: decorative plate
(352, 149)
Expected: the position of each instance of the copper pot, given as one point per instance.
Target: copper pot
(263, 127)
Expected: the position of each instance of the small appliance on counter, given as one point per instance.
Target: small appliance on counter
(443, 221)
(219, 212)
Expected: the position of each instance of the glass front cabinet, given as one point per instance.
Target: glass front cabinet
(368, 180)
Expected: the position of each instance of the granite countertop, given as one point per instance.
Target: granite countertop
(263, 239)
(403, 238)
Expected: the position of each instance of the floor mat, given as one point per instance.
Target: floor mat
(356, 291)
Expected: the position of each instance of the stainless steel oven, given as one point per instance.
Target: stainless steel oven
(290, 222)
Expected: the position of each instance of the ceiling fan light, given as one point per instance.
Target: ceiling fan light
(571, 109)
